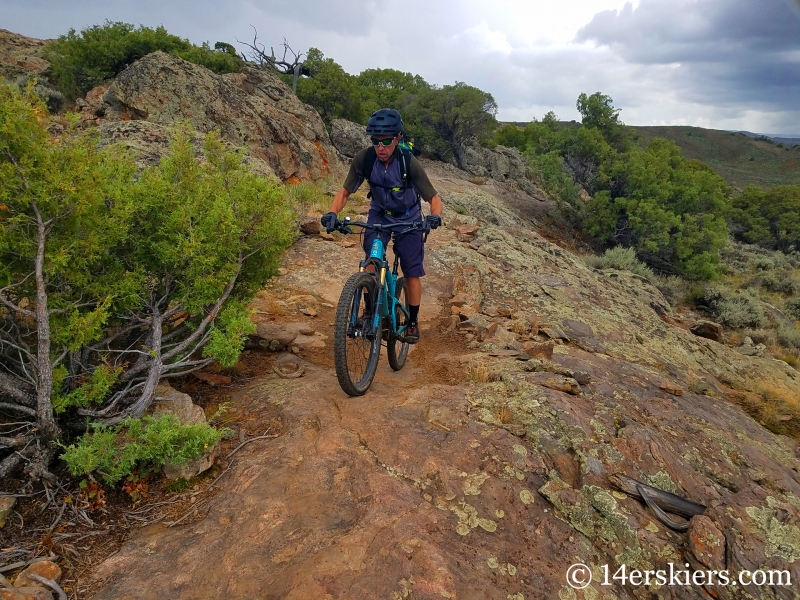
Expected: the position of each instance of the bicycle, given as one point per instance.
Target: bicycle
(359, 328)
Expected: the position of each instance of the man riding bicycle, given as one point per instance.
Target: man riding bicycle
(397, 181)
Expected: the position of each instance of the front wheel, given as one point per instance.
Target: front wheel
(356, 349)
(396, 348)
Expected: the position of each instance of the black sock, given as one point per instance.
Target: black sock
(413, 313)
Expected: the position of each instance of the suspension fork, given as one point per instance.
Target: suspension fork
(377, 315)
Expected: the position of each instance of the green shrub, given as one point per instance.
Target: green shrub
(735, 309)
(114, 452)
(82, 61)
(145, 273)
(767, 337)
(624, 259)
(780, 282)
(788, 336)
(50, 96)
(548, 170)
(793, 308)
(674, 288)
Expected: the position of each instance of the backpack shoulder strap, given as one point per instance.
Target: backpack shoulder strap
(369, 161)
(405, 161)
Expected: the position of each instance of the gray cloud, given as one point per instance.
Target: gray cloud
(726, 53)
(729, 64)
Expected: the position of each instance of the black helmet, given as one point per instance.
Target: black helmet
(386, 121)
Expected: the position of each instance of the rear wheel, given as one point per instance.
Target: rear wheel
(355, 348)
(396, 348)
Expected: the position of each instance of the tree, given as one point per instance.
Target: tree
(672, 212)
(769, 218)
(333, 92)
(100, 52)
(112, 280)
(598, 111)
(387, 88)
(455, 114)
(291, 63)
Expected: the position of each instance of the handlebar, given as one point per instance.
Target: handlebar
(343, 226)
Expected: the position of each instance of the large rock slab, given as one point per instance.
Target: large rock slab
(348, 137)
(253, 109)
(499, 163)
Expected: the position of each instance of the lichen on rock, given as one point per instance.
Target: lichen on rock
(781, 539)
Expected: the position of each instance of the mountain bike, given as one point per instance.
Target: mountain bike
(373, 308)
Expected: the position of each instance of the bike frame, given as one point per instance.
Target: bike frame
(386, 290)
(386, 279)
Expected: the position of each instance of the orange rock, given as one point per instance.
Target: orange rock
(213, 378)
(706, 542)
(45, 568)
(670, 388)
(539, 349)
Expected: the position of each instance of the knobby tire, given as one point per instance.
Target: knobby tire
(396, 348)
(356, 358)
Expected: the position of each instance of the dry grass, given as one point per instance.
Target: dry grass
(773, 407)
(479, 373)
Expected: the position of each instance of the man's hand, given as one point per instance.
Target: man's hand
(432, 222)
(328, 221)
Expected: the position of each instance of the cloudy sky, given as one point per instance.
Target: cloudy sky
(724, 64)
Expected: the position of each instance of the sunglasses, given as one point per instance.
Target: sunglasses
(386, 142)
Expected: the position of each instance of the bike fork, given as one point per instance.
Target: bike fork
(376, 316)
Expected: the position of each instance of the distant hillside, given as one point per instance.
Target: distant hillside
(778, 139)
(738, 158)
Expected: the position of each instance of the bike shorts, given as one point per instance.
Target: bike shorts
(410, 246)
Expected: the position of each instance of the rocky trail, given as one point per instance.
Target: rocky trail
(484, 468)
(474, 473)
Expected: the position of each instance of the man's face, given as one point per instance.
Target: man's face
(384, 152)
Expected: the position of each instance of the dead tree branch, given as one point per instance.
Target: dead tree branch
(291, 63)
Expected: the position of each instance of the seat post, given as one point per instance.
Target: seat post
(396, 257)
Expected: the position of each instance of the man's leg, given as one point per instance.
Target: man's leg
(411, 251)
(414, 287)
(414, 290)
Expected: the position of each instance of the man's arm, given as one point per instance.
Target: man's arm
(340, 200)
(436, 205)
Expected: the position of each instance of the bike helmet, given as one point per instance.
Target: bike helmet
(386, 121)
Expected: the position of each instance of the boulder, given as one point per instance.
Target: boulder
(26, 593)
(499, 163)
(465, 233)
(170, 400)
(6, 507)
(275, 337)
(44, 568)
(348, 137)
(252, 109)
(556, 382)
(309, 225)
(539, 349)
(706, 542)
(709, 330)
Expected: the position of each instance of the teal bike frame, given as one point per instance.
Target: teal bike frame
(386, 279)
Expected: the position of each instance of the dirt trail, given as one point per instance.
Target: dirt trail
(433, 486)
(343, 504)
